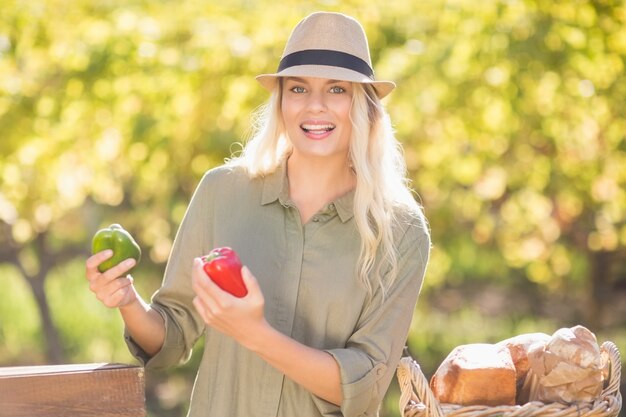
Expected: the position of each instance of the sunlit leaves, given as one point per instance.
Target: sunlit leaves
(498, 97)
(492, 183)
(523, 115)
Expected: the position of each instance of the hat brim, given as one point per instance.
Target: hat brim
(269, 81)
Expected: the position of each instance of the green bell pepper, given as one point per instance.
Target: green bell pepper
(120, 241)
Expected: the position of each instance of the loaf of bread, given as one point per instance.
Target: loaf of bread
(568, 369)
(476, 374)
(519, 346)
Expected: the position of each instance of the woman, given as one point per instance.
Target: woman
(335, 247)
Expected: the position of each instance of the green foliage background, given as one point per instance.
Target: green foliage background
(511, 113)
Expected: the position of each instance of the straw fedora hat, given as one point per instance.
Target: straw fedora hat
(327, 45)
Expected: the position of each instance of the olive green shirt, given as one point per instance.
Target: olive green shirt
(307, 274)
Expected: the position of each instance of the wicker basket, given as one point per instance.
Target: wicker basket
(417, 400)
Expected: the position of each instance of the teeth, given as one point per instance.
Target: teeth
(317, 128)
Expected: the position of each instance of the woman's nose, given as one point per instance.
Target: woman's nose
(317, 102)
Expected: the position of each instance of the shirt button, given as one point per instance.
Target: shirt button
(316, 219)
(331, 206)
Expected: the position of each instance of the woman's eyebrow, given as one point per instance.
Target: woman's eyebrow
(296, 79)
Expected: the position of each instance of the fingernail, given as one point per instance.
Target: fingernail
(108, 252)
(129, 262)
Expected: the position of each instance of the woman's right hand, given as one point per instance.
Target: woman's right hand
(114, 288)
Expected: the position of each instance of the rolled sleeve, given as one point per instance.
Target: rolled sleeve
(173, 351)
(359, 393)
(368, 362)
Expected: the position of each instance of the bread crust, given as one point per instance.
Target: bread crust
(476, 374)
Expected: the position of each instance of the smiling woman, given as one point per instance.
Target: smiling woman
(322, 176)
(316, 115)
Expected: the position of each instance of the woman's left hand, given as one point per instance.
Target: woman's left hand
(239, 318)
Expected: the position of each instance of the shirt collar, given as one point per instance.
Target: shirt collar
(345, 206)
(276, 187)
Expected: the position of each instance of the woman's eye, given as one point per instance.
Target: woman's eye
(298, 90)
(337, 90)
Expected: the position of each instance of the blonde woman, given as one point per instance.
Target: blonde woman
(334, 245)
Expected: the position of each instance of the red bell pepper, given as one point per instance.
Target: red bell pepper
(223, 266)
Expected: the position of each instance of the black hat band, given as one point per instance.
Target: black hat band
(326, 57)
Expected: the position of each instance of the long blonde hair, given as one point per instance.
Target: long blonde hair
(377, 159)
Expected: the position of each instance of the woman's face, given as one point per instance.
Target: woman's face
(316, 113)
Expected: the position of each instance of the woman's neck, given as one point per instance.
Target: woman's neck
(313, 183)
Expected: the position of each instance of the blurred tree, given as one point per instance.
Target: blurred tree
(514, 125)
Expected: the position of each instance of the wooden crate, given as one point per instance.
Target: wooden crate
(85, 390)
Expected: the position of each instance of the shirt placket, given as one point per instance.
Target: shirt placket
(292, 269)
(299, 237)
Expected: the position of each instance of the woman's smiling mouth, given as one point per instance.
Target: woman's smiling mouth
(317, 130)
